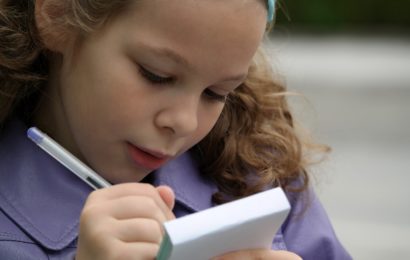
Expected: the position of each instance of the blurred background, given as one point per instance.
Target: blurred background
(351, 61)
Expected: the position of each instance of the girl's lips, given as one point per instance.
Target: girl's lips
(145, 158)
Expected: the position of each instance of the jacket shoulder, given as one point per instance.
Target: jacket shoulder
(308, 230)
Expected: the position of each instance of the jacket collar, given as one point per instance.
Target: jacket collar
(45, 200)
(192, 189)
(42, 197)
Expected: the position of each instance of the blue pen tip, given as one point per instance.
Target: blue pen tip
(34, 134)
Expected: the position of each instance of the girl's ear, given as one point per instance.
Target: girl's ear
(53, 34)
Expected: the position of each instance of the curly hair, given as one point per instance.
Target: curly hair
(253, 145)
(20, 74)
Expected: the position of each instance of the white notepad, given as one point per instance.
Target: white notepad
(248, 223)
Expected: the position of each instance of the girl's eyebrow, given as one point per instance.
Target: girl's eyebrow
(167, 52)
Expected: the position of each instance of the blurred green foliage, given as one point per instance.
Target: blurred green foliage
(344, 15)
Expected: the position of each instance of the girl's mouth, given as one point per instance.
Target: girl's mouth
(146, 158)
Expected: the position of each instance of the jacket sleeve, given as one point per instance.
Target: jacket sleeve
(308, 231)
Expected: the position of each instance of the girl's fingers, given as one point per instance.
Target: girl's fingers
(139, 230)
(140, 251)
(124, 221)
(132, 207)
(127, 190)
(259, 254)
(129, 251)
(121, 190)
(167, 195)
(285, 255)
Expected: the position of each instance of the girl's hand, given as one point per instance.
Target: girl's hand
(260, 254)
(124, 222)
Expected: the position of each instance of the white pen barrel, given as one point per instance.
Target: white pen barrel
(67, 159)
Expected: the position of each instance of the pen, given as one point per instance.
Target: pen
(67, 159)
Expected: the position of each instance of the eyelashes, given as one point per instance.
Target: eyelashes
(214, 96)
(154, 78)
(159, 80)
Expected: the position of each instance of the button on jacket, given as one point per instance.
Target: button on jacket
(41, 202)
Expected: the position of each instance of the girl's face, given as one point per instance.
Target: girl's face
(151, 83)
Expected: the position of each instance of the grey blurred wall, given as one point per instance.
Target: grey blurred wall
(356, 99)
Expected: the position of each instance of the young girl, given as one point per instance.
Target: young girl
(169, 100)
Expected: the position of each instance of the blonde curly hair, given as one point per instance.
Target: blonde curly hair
(253, 146)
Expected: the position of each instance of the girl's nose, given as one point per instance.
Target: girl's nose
(180, 117)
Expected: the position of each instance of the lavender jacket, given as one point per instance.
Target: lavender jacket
(41, 201)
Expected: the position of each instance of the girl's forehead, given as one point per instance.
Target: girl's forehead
(203, 13)
(204, 20)
(193, 7)
(208, 34)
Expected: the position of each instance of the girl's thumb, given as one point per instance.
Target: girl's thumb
(167, 195)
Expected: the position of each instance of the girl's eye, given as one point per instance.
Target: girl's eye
(154, 78)
(214, 96)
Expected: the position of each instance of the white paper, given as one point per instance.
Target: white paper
(251, 222)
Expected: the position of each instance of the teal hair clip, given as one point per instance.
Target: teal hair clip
(271, 10)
